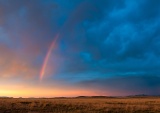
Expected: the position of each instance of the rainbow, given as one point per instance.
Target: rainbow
(45, 62)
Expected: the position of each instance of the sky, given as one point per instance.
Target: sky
(54, 48)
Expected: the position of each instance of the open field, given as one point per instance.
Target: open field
(81, 105)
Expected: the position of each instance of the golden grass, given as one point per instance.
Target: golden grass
(81, 105)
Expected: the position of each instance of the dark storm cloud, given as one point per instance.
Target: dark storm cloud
(131, 85)
(124, 38)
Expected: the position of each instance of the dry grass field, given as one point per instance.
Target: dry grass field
(81, 105)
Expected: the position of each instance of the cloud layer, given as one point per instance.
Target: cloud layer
(102, 43)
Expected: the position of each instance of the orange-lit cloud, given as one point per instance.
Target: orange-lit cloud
(14, 65)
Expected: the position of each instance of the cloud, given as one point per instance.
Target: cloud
(132, 85)
(14, 65)
(97, 39)
(124, 38)
(26, 33)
